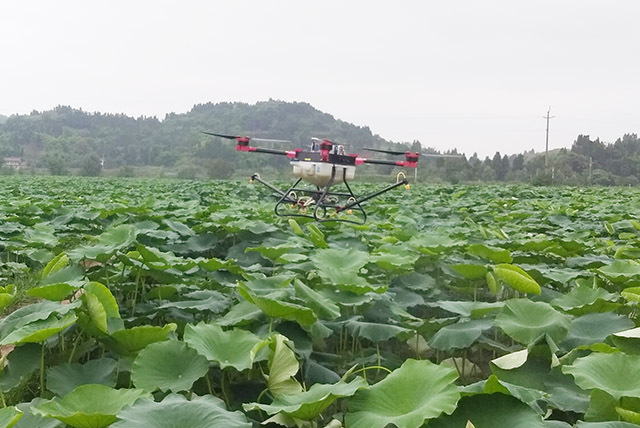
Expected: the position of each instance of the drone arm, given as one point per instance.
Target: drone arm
(405, 163)
(246, 148)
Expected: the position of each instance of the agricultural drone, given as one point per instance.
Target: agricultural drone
(324, 165)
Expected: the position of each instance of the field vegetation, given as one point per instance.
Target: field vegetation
(172, 303)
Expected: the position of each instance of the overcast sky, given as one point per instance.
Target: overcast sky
(467, 74)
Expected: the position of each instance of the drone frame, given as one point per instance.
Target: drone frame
(323, 199)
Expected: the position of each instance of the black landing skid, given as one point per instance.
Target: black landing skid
(321, 204)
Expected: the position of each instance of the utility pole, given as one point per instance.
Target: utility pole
(546, 150)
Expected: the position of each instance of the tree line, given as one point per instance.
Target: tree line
(66, 139)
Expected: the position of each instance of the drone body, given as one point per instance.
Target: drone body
(324, 165)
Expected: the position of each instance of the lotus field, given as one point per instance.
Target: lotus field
(158, 303)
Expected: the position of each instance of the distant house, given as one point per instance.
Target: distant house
(15, 163)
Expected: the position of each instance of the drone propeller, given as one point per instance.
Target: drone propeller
(423, 154)
(389, 152)
(235, 137)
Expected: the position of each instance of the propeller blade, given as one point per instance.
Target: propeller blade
(268, 140)
(228, 137)
(434, 155)
(389, 152)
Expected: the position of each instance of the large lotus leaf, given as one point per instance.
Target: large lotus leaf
(283, 366)
(595, 328)
(73, 275)
(584, 299)
(90, 406)
(201, 300)
(628, 340)
(105, 297)
(38, 331)
(376, 332)
(176, 411)
(227, 348)
(9, 416)
(610, 373)
(621, 271)
(271, 252)
(468, 309)
(394, 261)
(57, 292)
(490, 411)
(412, 394)
(517, 278)
(493, 254)
(64, 378)
(168, 366)
(308, 405)
(460, 335)
(493, 385)
(117, 238)
(321, 305)
(469, 270)
(134, 339)
(341, 266)
(178, 227)
(276, 308)
(58, 262)
(524, 321)
(19, 366)
(240, 314)
(31, 313)
(30, 419)
(612, 424)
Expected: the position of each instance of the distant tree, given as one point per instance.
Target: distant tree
(56, 164)
(219, 169)
(91, 165)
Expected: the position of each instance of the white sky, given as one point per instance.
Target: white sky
(467, 74)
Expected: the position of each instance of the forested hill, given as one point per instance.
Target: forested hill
(62, 139)
(69, 135)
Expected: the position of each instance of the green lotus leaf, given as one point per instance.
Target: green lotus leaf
(60, 261)
(283, 366)
(271, 252)
(607, 372)
(516, 278)
(38, 331)
(105, 297)
(30, 419)
(469, 309)
(612, 424)
(341, 266)
(201, 300)
(621, 270)
(492, 282)
(241, 314)
(584, 299)
(376, 332)
(20, 364)
(469, 270)
(90, 406)
(595, 328)
(414, 393)
(275, 308)
(134, 339)
(493, 254)
(394, 261)
(490, 411)
(58, 291)
(632, 294)
(179, 227)
(118, 238)
(493, 385)
(7, 295)
(31, 313)
(525, 321)
(97, 315)
(72, 275)
(628, 415)
(168, 366)
(308, 405)
(64, 378)
(9, 416)
(460, 335)
(227, 348)
(321, 305)
(176, 411)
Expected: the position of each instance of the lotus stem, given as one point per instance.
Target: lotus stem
(42, 371)
(364, 369)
